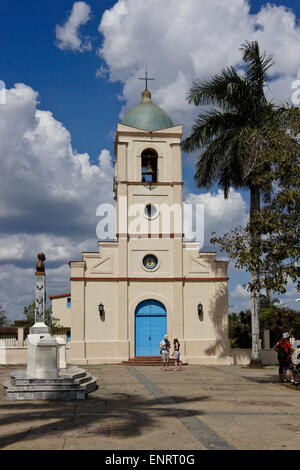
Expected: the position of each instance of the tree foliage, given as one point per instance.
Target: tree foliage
(3, 318)
(240, 329)
(274, 318)
(275, 258)
(247, 141)
(231, 135)
(234, 139)
(29, 314)
(278, 319)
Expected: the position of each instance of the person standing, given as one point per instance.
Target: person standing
(284, 354)
(165, 352)
(176, 354)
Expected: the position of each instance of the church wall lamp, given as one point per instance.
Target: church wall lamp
(200, 311)
(101, 309)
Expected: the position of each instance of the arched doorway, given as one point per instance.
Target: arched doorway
(150, 327)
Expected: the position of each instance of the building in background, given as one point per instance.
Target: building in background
(61, 305)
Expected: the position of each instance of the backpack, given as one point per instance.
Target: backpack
(282, 354)
(165, 346)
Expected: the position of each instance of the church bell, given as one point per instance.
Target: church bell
(149, 170)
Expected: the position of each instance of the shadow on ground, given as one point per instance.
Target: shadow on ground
(263, 380)
(115, 416)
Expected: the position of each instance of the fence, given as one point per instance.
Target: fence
(9, 341)
(12, 341)
(13, 347)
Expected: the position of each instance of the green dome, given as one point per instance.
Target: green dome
(147, 116)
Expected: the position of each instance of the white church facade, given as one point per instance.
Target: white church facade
(149, 281)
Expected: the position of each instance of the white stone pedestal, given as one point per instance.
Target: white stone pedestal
(47, 377)
(42, 356)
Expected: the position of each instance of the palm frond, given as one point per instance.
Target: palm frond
(208, 126)
(215, 90)
(232, 135)
(225, 181)
(208, 164)
(257, 66)
(216, 164)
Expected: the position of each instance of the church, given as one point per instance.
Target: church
(149, 281)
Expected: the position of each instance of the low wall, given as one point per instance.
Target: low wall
(13, 355)
(17, 355)
(242, 356)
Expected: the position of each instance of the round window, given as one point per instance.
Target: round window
(150, 261)
(150, 211)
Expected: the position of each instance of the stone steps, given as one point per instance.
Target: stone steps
(83, 380)
(147, 361)
(49, 384)
(71, 384)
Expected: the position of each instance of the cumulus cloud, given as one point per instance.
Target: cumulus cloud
(49, 193)
(291, 298)
(240, 292)
(67, 36)
(44, 183)
(220, 214)
(17, 287)
(22, 248)
(181, 41)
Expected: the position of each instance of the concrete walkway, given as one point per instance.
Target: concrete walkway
(145, 408)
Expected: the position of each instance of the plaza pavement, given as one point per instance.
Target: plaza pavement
(202, 407)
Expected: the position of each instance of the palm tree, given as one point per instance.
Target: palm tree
(231, 136)
(265, 302)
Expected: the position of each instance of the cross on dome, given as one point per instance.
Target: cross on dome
(146, 78)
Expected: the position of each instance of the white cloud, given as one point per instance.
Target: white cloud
(68, 35)
(102, 72)
(288, 300)
(280, 35)
(181, 41)
(24, 247)
(49, 194)
(240, 292)
(40, 171)
(17, 287)
(220, 215)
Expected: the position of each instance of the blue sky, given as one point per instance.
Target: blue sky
(179, 41)
(293, 4)
(66, 82)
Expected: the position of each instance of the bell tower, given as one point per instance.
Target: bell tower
(148, 174)
(148, 193)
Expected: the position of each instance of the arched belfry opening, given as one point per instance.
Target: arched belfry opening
(149, 166)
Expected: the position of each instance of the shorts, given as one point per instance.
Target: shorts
(284, 366)
(165, 356)
(177, 355)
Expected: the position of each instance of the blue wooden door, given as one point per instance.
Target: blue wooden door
(150, 327)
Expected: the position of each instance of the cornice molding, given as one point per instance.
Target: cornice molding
(151, 279)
